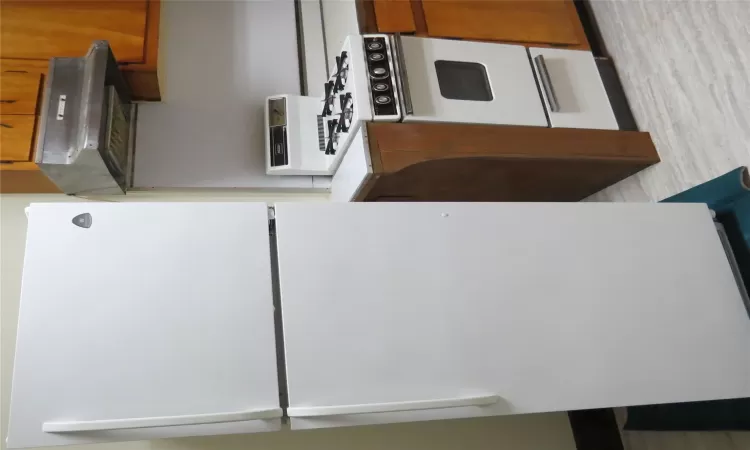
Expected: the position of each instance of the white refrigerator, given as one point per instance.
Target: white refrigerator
(143, 321)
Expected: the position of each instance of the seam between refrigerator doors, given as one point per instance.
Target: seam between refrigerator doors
(278, 322)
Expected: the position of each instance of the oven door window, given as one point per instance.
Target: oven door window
(459, 80)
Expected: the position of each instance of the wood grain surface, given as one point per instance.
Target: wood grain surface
(16, 137)
(394, 16)
(19, 92)
(43, 29)
(547, 21)
(24, 178)
(441, 162)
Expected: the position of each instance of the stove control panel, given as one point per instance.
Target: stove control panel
(381, 79)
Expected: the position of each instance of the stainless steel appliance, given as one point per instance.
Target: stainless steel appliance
(86, 136)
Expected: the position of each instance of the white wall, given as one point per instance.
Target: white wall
(529, 432)
(219, 60)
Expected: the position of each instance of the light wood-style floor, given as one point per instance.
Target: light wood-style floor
(685, 68)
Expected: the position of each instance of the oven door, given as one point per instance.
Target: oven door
(470, 82)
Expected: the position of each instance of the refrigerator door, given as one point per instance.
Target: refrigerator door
(572, 89)
(143, 321)
(433, 311)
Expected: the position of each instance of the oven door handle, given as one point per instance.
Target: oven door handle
(402, 78)
(549, 90)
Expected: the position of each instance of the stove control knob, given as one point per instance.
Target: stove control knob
(375, 57)
(380, 87)
(382, 100)
(374, 46)
(379, 72)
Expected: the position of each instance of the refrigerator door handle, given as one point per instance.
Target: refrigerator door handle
(544, 77)
(369, 408)
(164, 421)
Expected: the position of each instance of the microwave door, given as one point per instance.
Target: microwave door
(469, 82)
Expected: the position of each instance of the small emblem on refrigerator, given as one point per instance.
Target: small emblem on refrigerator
(82, 220)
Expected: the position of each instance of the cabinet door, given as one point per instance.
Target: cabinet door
(400, 312)
(142, 321)
(16, 137)
(19, 92)
(572, 89)
(527, 21)
(45, 29)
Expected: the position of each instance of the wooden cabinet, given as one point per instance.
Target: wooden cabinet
(460, 162)
(16, 137)
(34, 31)
(539, 22)
(19, 92)
(42, 30)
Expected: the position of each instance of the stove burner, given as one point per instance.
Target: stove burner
(342, 71)
(333, 137)
(328, 101)
(347, 112)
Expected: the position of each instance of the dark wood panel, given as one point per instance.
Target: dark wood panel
(402, 144)
(144, 85)
(455, 162)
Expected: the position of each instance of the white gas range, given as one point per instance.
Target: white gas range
(380, 77)
(309, 135)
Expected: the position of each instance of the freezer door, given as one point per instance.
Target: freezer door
(572, 89)
(143, 321)
(431, 311)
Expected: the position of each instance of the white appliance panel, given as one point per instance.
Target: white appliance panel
(514, 96)
(354, 171)
(578, 89)
(156, 321)
(450, 310)
(339, 22)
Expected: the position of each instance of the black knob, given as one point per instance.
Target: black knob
(380, 87)
(376, 57)
(374, 46)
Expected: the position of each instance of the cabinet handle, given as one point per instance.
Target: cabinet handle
(369, 408)
(8, 101)
(549, 90)
(6, 125)
(165, 421)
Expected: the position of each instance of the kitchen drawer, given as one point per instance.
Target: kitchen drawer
(572, 89)
(19, 92)
(46, 29)
(16, 137)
